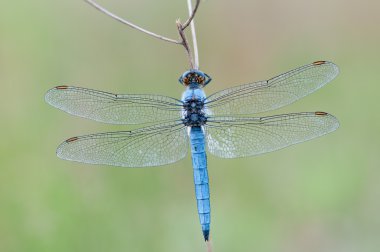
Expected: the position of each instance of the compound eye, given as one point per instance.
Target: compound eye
(200, 79)
(185, 81)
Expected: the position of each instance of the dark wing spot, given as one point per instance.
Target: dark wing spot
(319, 113)
(61, 87)
(73, 139)
(319, 62)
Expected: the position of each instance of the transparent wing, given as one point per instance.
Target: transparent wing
(231, 137)
(274, 93)
(150, 146)
(114, 108)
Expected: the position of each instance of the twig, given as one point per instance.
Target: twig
(108, 13)
(192, 25)
(181, 30)
(191, 13)
(209, 246)
(185, 43)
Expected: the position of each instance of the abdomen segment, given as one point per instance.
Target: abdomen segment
(202, 194)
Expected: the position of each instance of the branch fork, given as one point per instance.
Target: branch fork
(181, 27)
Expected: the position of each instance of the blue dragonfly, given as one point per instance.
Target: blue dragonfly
(220, 123)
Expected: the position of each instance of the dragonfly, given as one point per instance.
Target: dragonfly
(221, 124)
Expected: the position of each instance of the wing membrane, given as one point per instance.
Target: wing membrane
(231, 137)
(150, 146)
(274, 93)
(113, 108)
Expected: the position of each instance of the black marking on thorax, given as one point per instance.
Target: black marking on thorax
(194, 114)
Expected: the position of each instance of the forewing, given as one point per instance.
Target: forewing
(231, 137)
(150, 146)
(114, 108)
(274, 93)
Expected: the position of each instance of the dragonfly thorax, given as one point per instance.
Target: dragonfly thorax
(194, 114)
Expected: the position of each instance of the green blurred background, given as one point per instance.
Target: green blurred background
(321, 195)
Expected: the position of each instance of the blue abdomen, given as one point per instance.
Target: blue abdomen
(202, 194)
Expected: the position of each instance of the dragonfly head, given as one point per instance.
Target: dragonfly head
(194, 79)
